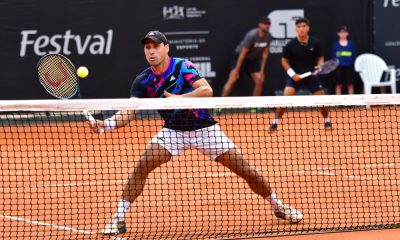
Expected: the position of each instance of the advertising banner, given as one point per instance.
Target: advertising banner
(387, 33)
(105, 37)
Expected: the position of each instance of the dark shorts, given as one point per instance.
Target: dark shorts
(312, 83)
(344, 75)
(249, 66)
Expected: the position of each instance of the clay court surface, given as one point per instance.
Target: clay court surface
(60, 181)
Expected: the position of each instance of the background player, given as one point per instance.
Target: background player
(301, 55)
(174, 77)
(251, 55)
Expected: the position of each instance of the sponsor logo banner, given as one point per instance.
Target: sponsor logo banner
(66, 43)
(181, 12)
(283, 27)
(190, 44)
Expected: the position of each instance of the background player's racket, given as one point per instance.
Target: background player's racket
(58, 76)
(326, 68)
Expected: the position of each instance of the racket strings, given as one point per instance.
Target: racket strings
(328, 66)
(58, 77)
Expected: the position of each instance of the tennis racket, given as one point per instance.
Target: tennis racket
(326, 68)
(58, 76)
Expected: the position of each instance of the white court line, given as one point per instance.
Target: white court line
(77, 184)
(324, 170)
(46, 224)
(319, 171)
(328, 173)
(108, 182)
(333, 167)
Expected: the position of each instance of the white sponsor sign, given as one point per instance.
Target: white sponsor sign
(66, 43)
(283, 27)
(181, 12)
(204, 66)
(283, 22)
(174, 12)
(391, 3)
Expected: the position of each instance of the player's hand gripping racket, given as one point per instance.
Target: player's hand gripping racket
(58, 76)
(326, 68)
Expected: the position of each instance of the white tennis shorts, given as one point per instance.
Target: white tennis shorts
(211, 140)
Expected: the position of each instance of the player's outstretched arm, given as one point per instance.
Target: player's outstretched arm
(119, 119)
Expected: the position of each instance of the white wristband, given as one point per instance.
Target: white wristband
(109, 124)
(291, 72)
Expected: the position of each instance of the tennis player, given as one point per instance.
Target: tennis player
(300, 55)
(178, 78)
(251, 55)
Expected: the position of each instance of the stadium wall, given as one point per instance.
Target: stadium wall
(386, 33)
(105, 36)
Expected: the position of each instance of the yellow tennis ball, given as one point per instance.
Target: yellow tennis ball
(82, 72)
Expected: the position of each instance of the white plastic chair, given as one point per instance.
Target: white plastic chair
(371, 69)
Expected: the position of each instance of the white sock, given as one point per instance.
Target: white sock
(327, 119)
(275, 121)
(274, 200)
(123, 207)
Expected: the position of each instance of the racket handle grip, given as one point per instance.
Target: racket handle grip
(91, 119)
(304, 75)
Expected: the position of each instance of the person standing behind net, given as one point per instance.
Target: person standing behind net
(178, 78)
(300, 55)
(251, 55)
(344, 50)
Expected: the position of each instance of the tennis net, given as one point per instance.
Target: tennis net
(59, 180)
